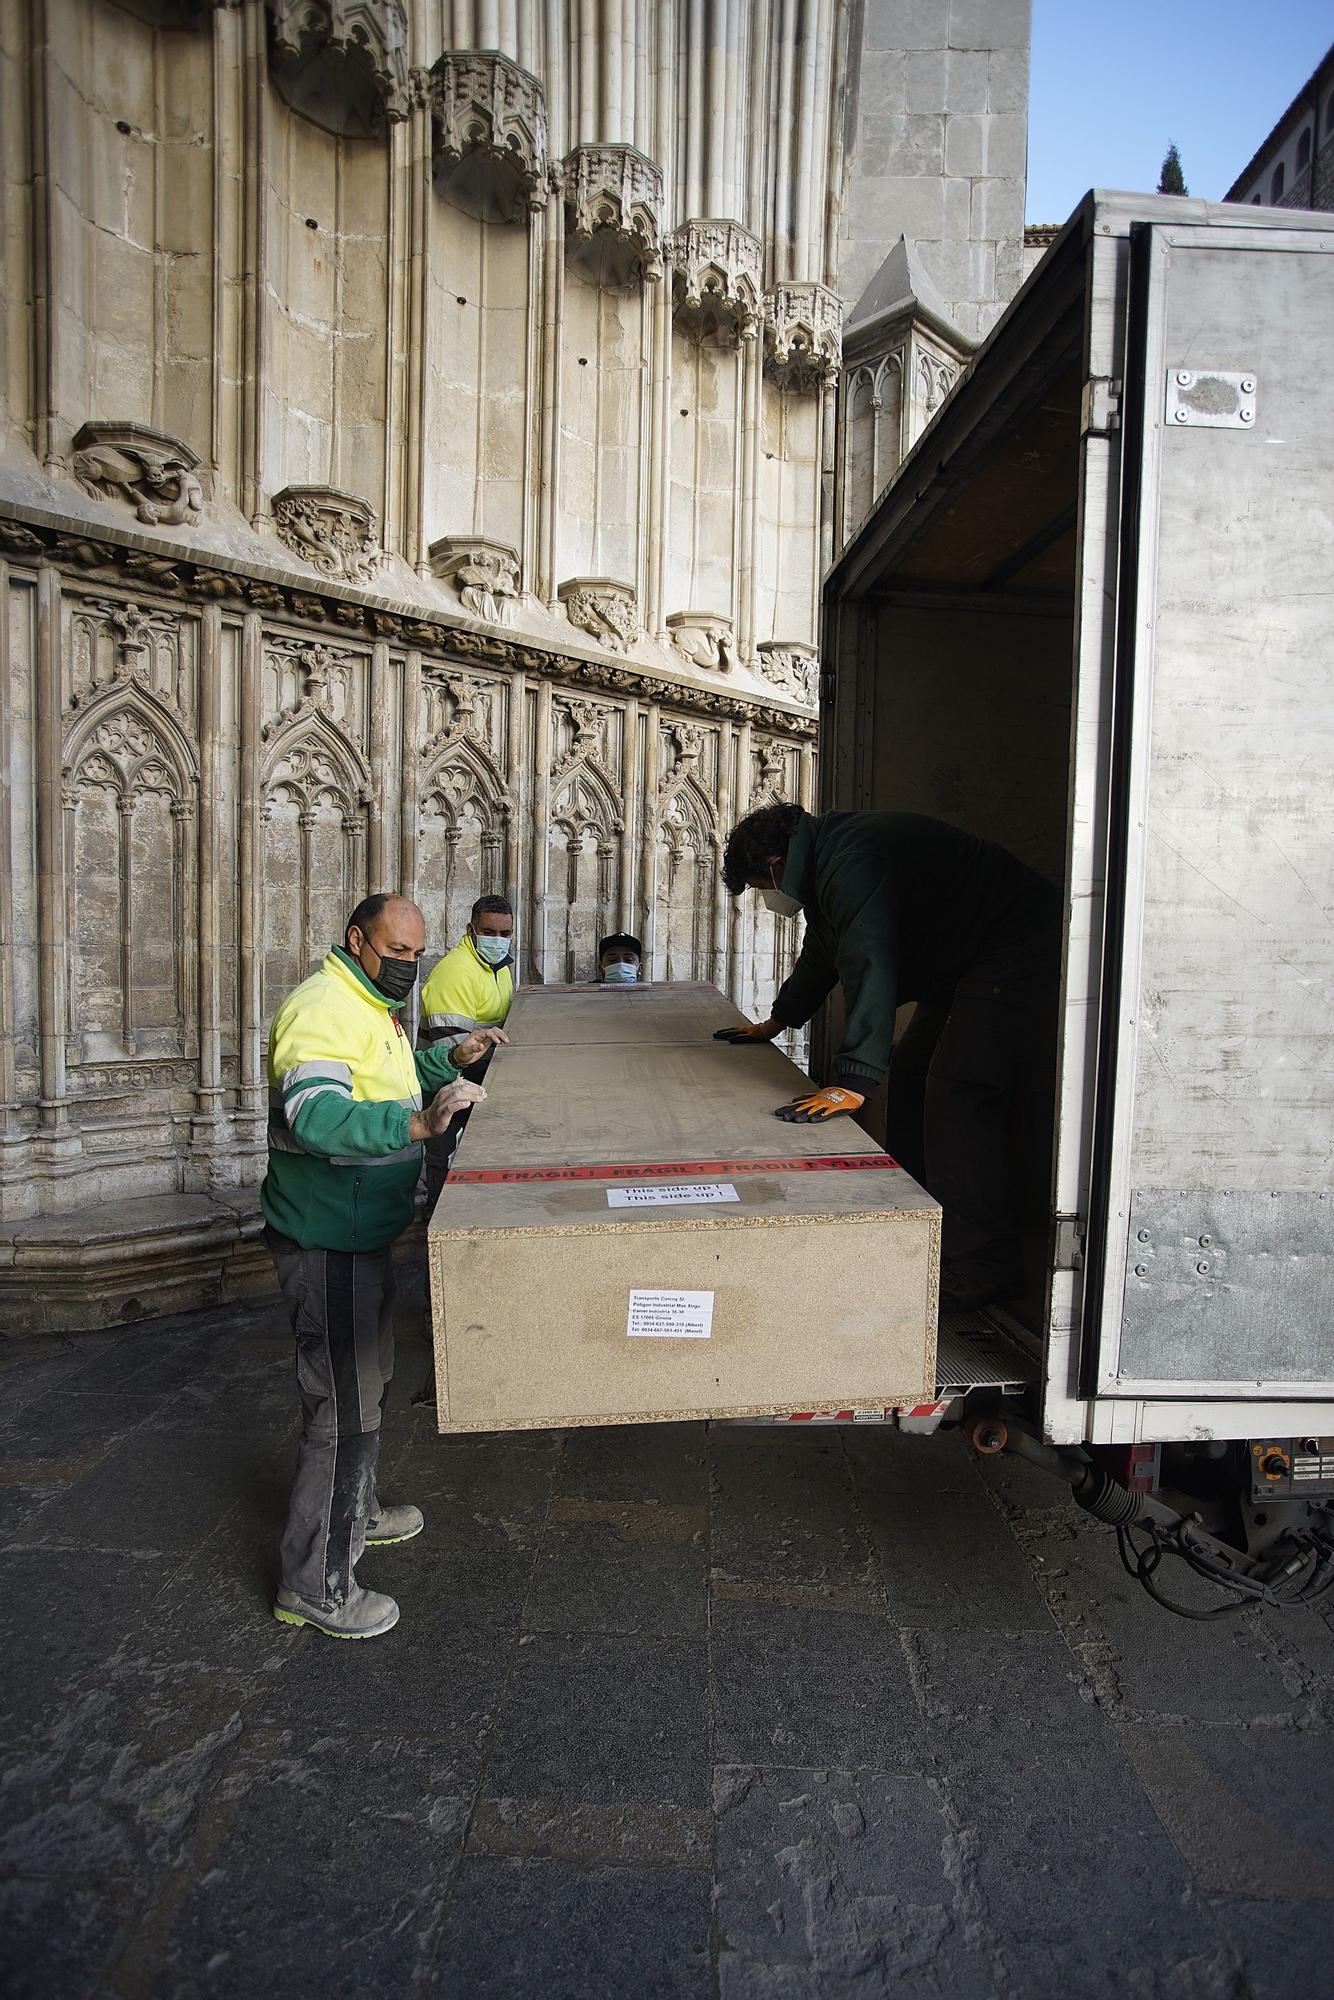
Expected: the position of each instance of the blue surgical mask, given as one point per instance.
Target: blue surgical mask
(495, 950)
(622, 973)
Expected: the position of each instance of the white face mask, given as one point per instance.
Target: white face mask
(781, 905)
(495, 950)
(622, 973)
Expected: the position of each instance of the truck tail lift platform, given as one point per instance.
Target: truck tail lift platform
(1089, 617)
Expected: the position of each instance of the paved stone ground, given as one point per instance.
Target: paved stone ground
(751, 1714)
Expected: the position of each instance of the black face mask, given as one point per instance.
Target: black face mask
(396, 977)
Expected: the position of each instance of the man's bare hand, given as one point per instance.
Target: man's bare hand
(476, 1045)
(431, 1123)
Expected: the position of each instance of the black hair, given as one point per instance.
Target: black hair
(367, 910)
(622, 938)
(492, 906)
(754, 841)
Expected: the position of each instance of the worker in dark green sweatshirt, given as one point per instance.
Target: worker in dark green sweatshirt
(899, 908)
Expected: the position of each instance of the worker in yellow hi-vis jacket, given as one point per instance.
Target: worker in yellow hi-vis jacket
(347, 1119)
(472, 987)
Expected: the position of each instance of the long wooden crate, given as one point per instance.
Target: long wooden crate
(629, 1235)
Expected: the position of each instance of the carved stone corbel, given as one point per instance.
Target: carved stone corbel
(704, 638)
(342, 63)
(334, 531)
(791, 665)
(803, 335)
(150, 470)
(717, 280)
(489, 135)
(485, 574)
(607, 609)
(613, 196)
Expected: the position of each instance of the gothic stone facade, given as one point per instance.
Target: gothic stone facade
(420, 454)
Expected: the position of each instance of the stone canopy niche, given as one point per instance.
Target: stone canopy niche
(717, 279)
(489, 135)
(803, 335)
(613, 195)
(341, 63)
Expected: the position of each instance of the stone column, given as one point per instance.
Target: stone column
(539, 832)
(251, 1094)
(52, 909)
(553, 288)
(648, 853)
(411, 763)
(629, 812)
(208, 1095)
(8, 1105)
(384, 779)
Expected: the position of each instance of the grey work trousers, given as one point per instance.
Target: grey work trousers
(341, 1305)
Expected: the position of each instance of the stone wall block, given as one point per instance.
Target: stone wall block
(965, 146)
(989, 24)
(909, 24)
(1007, 80)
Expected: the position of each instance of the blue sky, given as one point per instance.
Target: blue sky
(1112, 84)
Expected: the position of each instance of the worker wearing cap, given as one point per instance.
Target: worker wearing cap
(471, 987)
(620, 959)
(899, 907)
(346, 1126)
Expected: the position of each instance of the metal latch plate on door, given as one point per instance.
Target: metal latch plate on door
(1210, 399)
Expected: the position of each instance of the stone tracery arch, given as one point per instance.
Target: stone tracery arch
(686, 865)
(316, 802)
(463, 837)
(587, 820)
(129, 785)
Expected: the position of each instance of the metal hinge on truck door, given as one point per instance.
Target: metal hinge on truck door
(1067, 1244)
(1100, 411)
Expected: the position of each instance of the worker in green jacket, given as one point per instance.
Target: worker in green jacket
(346, 1126)
(899, 907)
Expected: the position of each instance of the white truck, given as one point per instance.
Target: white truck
(1090, 617)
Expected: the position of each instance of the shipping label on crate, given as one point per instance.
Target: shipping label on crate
(707, 1192)
(670, 1315)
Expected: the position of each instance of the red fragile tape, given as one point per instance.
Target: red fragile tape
(673, 1170)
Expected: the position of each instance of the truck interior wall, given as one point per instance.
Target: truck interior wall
(971, 724)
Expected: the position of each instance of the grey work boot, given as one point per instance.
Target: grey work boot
(393, 1524)
(364, 1614)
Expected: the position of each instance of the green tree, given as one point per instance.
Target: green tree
(1171, 180)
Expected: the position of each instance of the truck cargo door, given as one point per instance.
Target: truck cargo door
(1210, 1266)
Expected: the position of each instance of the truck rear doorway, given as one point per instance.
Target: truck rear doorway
(952, 683)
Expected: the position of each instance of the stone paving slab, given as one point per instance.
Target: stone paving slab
(707, 1715)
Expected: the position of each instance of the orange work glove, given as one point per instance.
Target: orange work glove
(753, 1031)
(817, 1105)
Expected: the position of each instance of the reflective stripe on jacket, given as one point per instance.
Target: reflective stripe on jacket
(344, 1082)
(463, 992)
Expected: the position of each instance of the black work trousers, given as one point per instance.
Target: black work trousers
(972, 1069)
